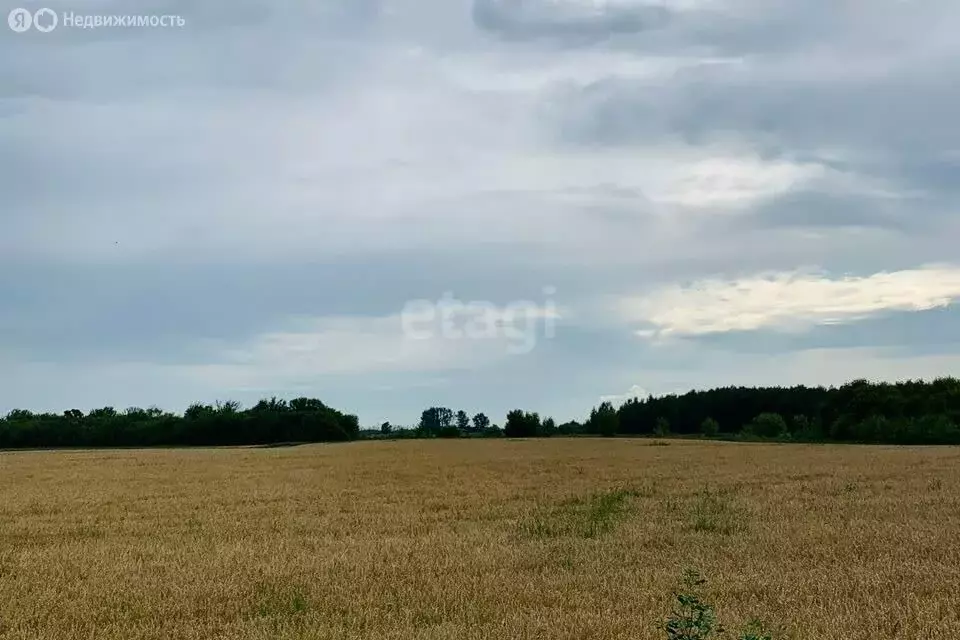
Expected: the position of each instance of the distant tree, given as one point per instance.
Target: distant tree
(446, 417)
(662, 427)
(463, 420)
(273, 405)
(549, 427)
(195, 411)
(521, 424)
(804, 428)
(709, 427)
(570, 428)
(872, 429)
(228, 407)
(346, 427)
(386, 428)
(799, 424)
(604, 420)
(768, 425)
(429, 421)
(938, 428)
(306, 404)
(481, 422)
(434, 419)
(449, 431)
(492, 431)
(514, 425)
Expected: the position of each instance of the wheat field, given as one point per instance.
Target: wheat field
(559, 539)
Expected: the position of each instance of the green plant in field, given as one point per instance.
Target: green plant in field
(692, 618)
(695, 619)
(755, 630)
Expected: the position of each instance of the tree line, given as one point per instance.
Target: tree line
(912, 412)
(224, 423)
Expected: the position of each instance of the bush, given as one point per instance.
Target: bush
(768, 425)
(710, 428)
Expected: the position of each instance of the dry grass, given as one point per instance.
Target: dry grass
(557, 539)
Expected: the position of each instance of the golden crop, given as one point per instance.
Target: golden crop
(554, 539)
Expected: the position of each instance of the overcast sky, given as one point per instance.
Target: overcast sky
(683, 193)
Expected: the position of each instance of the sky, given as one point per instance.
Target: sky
(480, 204)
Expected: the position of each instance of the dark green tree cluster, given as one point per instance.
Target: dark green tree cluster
(604, 420)
(912, 412)
(269, 422)
(441, 422)
(521, 424)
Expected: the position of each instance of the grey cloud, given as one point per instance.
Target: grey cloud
(181, 313)
(864, 75)
(908, 111)
(569, 22)
(927, 332)
(808, 208)
(881, 116)
(287, 47)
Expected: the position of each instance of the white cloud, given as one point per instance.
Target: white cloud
(788, 301)
(460, 143)
(740, 181)
(339, 346)
(636, 391)
(355, 346)
(529, 73)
